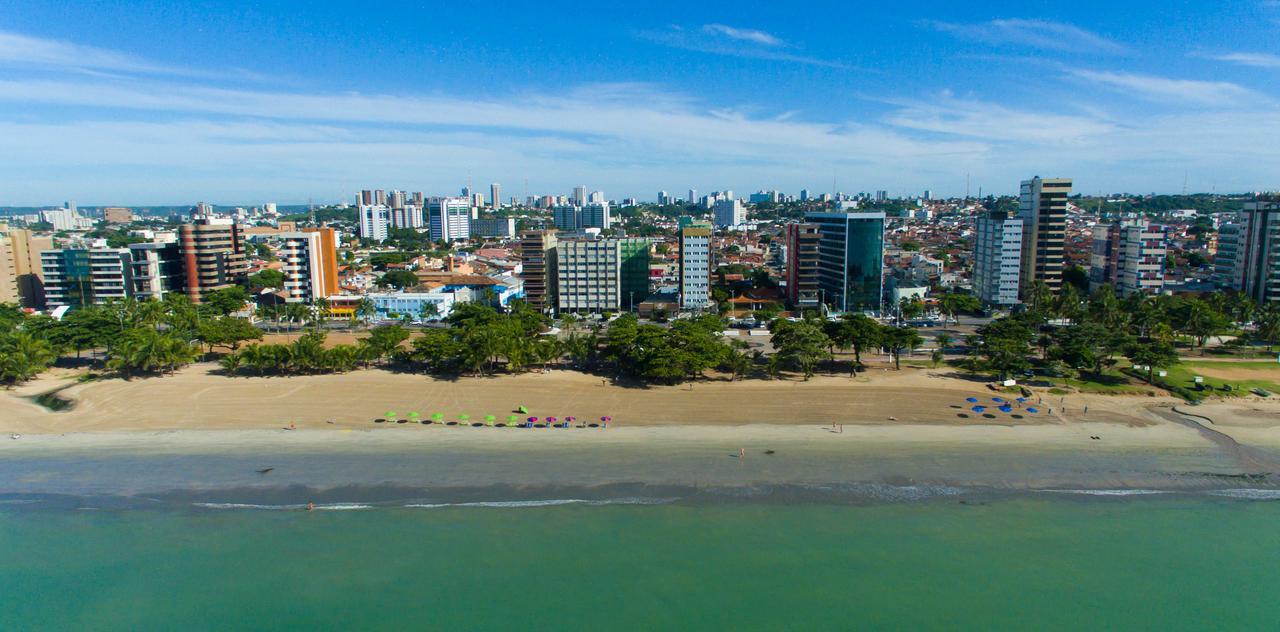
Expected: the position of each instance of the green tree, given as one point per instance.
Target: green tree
(1153, 355)
(800, 344)
(23, 356)
(267, 278)
(398, 279)
(226, 300)
(897, 339)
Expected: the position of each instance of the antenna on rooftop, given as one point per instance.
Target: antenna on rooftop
(311, 210)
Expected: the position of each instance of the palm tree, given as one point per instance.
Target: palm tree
(23, 356)
(231, 363)
(366, 310)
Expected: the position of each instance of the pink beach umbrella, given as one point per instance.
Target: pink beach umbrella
(532, 420)
(605, 420)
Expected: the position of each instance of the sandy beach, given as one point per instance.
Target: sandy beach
(199, 429)
(198, 398)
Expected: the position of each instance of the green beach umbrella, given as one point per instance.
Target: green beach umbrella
(511, 419)
(391, 414)
(464, 417)
(437, 416)
(489, 419)
(414, 416)
(523, 410)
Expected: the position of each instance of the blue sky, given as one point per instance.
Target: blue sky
(168, 103)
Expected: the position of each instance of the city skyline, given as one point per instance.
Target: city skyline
(165, 103)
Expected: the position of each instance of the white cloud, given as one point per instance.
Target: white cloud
(26, 51)
(746, 35)
(1164, 89)
(1256, 60)
(1044, 34)
(719, 39)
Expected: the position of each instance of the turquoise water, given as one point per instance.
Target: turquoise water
(1025, 563)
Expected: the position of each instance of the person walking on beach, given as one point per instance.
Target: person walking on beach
(742, 453)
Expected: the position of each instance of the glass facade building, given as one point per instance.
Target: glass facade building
(850, 260)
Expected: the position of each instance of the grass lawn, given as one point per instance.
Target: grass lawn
(1182, 374)
(1111, 383)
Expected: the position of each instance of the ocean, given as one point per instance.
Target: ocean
(914, 558)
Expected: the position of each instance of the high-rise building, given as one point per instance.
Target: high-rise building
(61, 219)
(1255, 267)
(397, 199)
(213, 255)
(538, 268)
(23, 258)
(76, 277)
(804, 195)
(997, 259)
(305, 267)
(850, 259)
(157, 270)
(1141, 258)
(729, 213)
(379, 197)
(580, 194)
(374, 220)
(1104, 255)
(693, 197)
(1228, 264)
(599, 275)
(8, 274)
(493, 227)
(1042, 208)
(595, 215)
(695, 266)
(567, 217)
(407, 216)
(329, 242)
(596, 197)
(449, 218)
(802, 241)
(365, 198)
(495, 195)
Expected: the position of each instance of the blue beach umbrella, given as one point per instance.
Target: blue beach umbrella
(1022, 400)
(978, 409)
(971, 400)
(997, 399)
(1032, 410)
(1006, 409)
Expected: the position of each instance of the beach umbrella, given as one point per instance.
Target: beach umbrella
(511, 419)
(1006, 409)
(414, 417)
(489, 419)
(532, 420)
(569, 419)
(437, 417)
(971, 400)
(1032, 410)
(391, 415)
(997, 399)
(978, 409)
(522, 410)
(464, 418)
(1021, 400)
